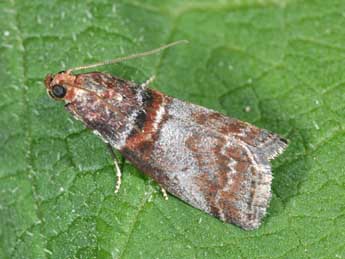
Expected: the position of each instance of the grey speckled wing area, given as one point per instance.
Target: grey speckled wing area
(215, 163)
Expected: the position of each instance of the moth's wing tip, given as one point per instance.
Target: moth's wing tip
(258, 215)
(270, 149)
(259, 204)
(252, 224)
(253, 208)
(274, 146)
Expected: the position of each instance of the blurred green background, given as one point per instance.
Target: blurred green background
(282, 59)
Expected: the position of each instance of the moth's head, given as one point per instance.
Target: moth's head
(60, 86)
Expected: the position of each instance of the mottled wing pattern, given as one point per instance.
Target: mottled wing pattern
(215, 163)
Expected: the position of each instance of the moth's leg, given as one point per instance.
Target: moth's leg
(164, 192)
(148, 81)
(117, 168)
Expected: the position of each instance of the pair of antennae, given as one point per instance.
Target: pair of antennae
(120, 59)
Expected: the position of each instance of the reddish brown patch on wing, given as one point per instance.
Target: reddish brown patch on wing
(246, 132)
(223, 187)
(143, 140)
(140, 144)
(206, 117)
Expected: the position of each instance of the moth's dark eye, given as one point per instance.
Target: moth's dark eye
(59, 91)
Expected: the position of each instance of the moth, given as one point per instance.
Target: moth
(215, 163)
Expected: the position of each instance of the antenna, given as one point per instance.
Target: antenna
(133, 56)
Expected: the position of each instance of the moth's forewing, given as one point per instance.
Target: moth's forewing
(215, 163)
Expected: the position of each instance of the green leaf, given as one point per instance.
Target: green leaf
(276, 64)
